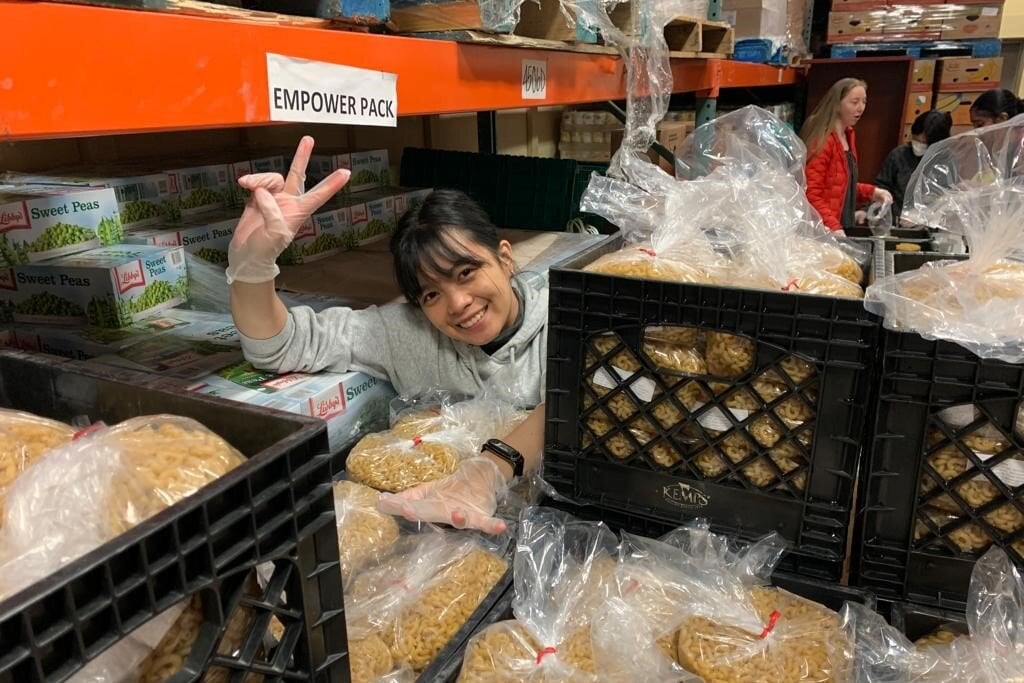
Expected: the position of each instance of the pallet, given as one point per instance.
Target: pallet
(482, 38)
(420, 16)
(210, 10)
(984, 47)
(686, 36)
(545, 20)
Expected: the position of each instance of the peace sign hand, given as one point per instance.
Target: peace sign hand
(275, 212)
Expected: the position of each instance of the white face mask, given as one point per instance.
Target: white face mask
(918, 147)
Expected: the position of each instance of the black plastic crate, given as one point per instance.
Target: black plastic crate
(921, 528)
(811, 506)
(897, 262)
(916, 232)
(277, 507)
(917, 621)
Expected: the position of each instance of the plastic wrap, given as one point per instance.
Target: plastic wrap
(971, 185)
(564, 573)
(364, 533)
(414, 603)
(500, 16)
(734, 626)
(23, 439)
(992, 652)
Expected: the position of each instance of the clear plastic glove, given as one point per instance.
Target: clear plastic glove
(466, 498)
(275, 211)
(881, 196)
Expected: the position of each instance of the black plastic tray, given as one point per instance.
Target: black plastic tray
(277, 507)
(915, 621)
(837, 335)
(902, 261)
(919, 232)
(919, 378)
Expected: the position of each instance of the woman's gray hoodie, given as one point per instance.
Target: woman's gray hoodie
(396, 342)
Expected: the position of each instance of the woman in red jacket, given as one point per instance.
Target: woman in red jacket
(832, 186)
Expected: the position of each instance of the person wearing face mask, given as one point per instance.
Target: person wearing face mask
(927, 129)
(470, 317)
(832, 186)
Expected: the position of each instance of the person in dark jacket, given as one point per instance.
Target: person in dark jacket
(929, 128)
(995, 106)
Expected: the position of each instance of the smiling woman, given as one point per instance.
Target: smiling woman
(470, 322)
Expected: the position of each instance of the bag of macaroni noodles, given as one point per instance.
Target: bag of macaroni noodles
(971, 185)
(564, 573)
(417, 599)
(24, 438)
(364, 533)
(992, 650)
(735, 626)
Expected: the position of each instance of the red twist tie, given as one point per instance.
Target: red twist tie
(773, 619)
(81, 433)
(546, 651)
(792, 284)
(417, 440)
(649, 252)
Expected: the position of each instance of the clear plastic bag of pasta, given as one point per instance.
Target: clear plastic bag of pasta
(404, 611)
(970, 185)
(736, 626)
(388, 462)
(24, 438)
(991, 652)
(564, 572)
(364, 533)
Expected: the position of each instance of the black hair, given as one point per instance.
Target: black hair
(428, 235)
(934, 124)
(993, 103)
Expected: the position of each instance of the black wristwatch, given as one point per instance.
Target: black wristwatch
(506, 453)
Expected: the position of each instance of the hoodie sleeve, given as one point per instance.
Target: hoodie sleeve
(338, 339)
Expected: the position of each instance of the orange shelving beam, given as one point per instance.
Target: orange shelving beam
(72, 70)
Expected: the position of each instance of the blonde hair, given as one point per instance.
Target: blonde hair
(822, 120)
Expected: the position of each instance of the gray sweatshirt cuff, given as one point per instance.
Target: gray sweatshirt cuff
(267, 348)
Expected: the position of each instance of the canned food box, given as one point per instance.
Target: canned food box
(268, 164)
(39, 222)
(201, 188)
(106, 287)
(369, 169)
(326, 232)
(142, 199)
(206, 236)
(351, 403)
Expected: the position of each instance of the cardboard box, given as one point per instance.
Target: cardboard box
(407, 199)
(370, 169)
(852, 27)
(39, 222)
(205, 235)
(180, 344)
(269, 164)
(958, 104)
(671, 134)
(326, 232)
(141, 199)
(381, 217)
(924, 75)
(105, 287)
(977, 21)
(351, 403)
(917, 104)
(201, 188)
(757, 18)
(858, 5)
(958, 74)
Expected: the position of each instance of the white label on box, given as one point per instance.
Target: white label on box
(716, 420)
(990, 11)
(642, 387)
(306, 91)
(1011, 471)
(535, 79)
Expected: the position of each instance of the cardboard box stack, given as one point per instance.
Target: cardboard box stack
(950, 84)
(880, 21)
(782, 22)
(592, 136)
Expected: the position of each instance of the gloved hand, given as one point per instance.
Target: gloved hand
(881, 196)
(466, 498)
(275, 211)
(860, 217)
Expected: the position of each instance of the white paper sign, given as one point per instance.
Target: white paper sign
(535, 79)
(717, 421)
(305, 91)
(643, 387)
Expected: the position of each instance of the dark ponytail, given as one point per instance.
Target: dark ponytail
(994, 103)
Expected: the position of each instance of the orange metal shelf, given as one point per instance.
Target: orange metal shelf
(122, 71)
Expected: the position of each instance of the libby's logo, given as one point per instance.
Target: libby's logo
(306, 230)
(685, 496)
(14, 217)
(129, 276)
(328, 406)
(7, 280)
